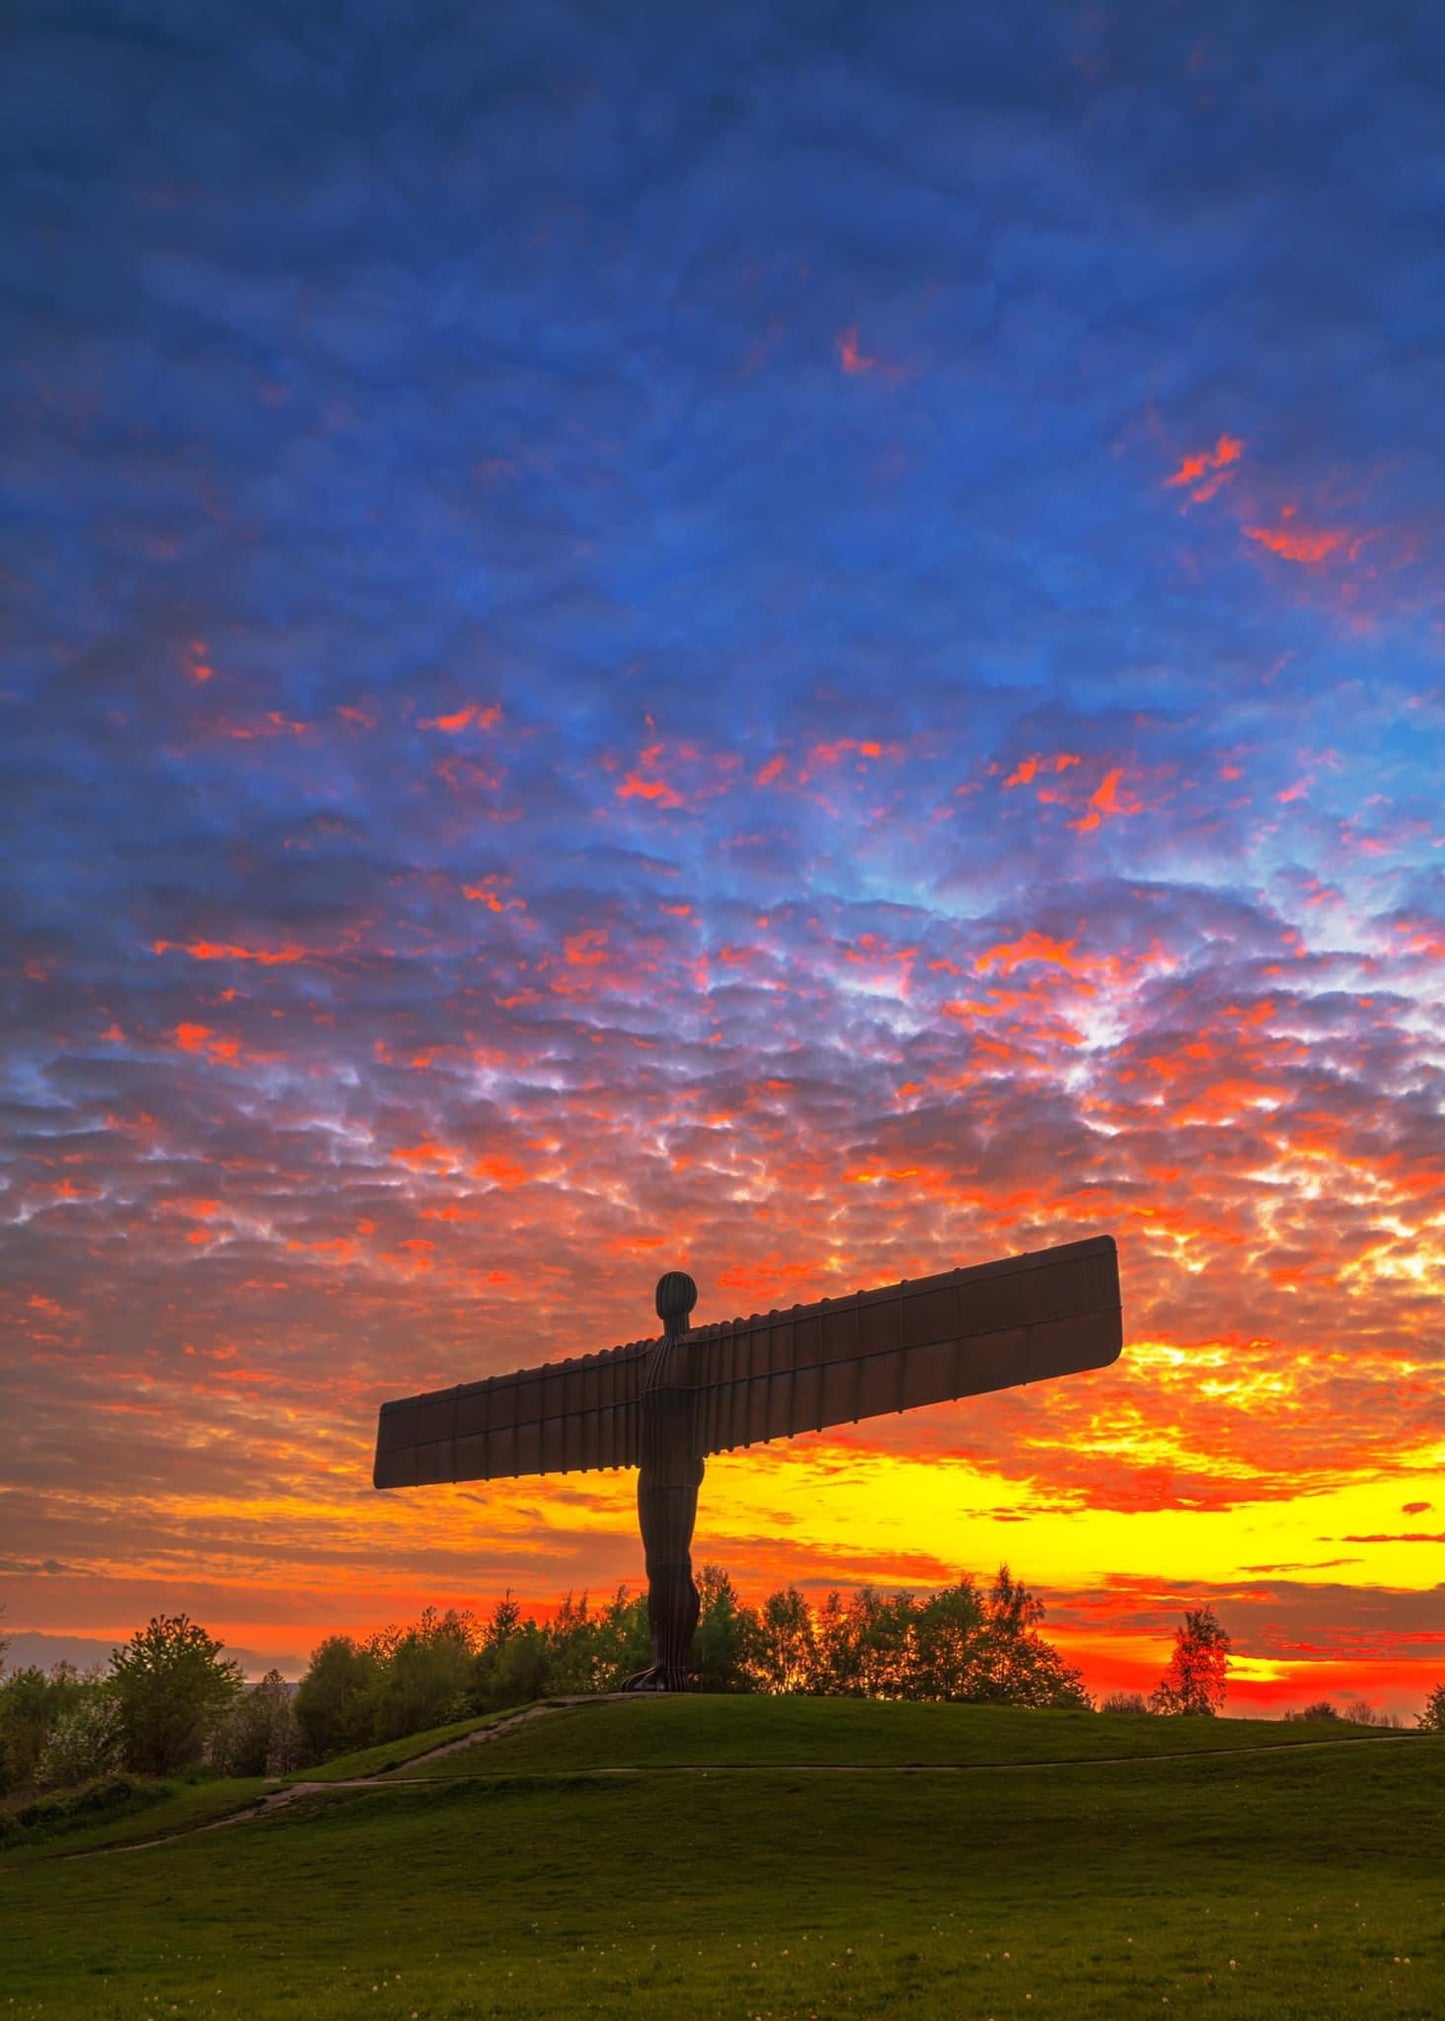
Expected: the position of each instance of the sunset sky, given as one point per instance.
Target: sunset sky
(803, 642)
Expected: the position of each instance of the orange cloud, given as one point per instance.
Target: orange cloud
(486, 893)
(638, 787)
(472, 716)
(1205, 472)
(1104, 801)
(272, 724)
(420, 1157)
(1296, 543)
(1011, 954)
(850, 357)
(1029, 768)
(585, 950)
(224, 950)
(191, 1038)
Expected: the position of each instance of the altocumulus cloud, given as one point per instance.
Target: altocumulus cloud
(809, 649)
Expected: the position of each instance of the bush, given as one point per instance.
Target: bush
(32, 1704)
(1132, 1702)
(1432, 1719)
(85, 1742)
(1360, 1712)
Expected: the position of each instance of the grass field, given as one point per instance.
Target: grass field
(1080, 1867)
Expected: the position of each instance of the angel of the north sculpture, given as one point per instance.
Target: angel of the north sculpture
(663, 1405)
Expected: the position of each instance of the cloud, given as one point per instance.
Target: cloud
(534, 750)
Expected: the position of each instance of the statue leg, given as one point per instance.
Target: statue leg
(667, 1516)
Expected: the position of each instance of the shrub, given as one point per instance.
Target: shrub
(1360, 1712)
(85, 1742)
(32, 1703)
(1132, 1702)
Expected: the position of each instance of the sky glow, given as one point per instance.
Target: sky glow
(800, 643)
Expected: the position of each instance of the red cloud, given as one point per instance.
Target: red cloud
(850, 357)
(1296, 543)
(224, 950)
(472, 716)
(1105, 800)
(1206, 471)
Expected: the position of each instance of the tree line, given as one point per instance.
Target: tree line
(963, 1643)
(171, 1701)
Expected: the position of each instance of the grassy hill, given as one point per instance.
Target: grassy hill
(698, 1857)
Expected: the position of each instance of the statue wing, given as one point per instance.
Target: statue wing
(564, 1417)
(1049, 1313)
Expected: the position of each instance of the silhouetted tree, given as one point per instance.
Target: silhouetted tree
(1196, 1679)
(1432, 1719)
(169, 1680)
(947, 1639)
(781, 1653)
(720, 1646)
(1019, 1667)
(861, 1646)
(1321, 1709)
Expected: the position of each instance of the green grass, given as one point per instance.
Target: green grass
(801, 1732)
(1086, 1892)
(397, 1753)
(159, 1809)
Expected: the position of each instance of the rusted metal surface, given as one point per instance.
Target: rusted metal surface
(1028, 1318)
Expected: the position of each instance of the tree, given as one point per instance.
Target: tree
(1195, 1681)
(426, 1675)
(1432, 1719)
(169, 1680)
(863, 1646)
(1017, 1666)
(334, 1698)
(719, 1648)
(259, 1734)
(782, 1652)
(947, 1638)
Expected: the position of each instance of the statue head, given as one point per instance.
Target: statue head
(676, 1296)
